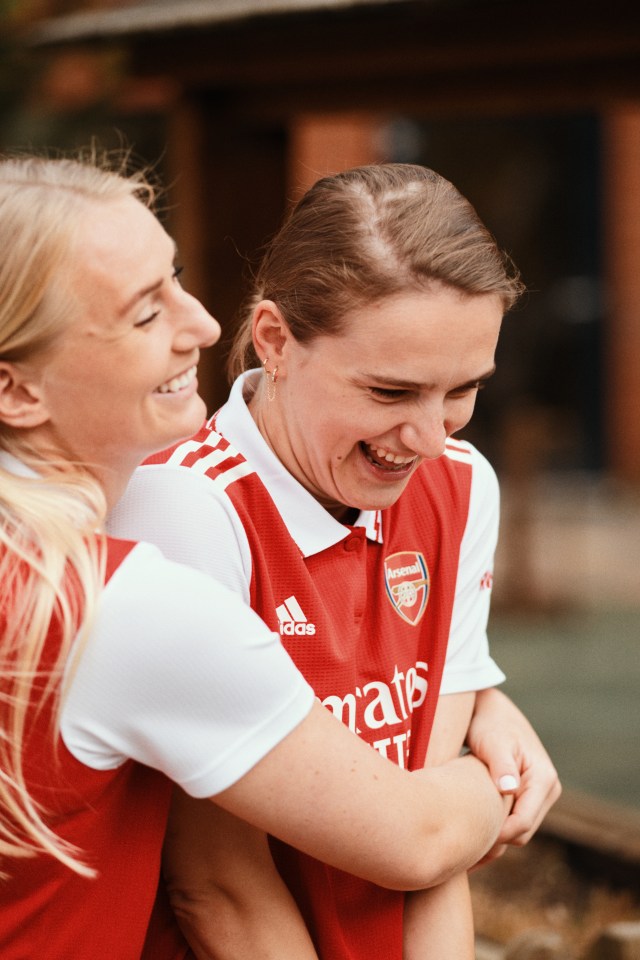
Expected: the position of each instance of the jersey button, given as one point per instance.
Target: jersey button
(353, 543)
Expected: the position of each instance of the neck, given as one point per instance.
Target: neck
(259, 409)
(111, 474)
(113, 485)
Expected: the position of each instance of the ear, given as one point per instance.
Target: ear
(21, 405)
(271, 333)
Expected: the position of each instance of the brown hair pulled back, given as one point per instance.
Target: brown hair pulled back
(366, 234)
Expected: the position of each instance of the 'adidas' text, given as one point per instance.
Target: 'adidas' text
(293, 621)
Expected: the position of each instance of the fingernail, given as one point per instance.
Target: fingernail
(508, 782)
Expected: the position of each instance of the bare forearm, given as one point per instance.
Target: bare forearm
(450, 727)
(439, 922)
(227, 929)
(472, 814)
(329, 794)
(229, 899)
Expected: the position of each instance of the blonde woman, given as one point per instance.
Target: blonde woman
(121, 672)
(331, 493)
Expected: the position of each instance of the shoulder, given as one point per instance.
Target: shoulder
(460, 466)
(175, 493)
(462, 452)
(206, 454)
(207, 462)
(166, 596)
(461, 483)
(184, 504)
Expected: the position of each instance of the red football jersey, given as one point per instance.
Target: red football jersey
(116, 818)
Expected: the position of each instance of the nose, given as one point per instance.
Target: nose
(197, 328)
(425, 435)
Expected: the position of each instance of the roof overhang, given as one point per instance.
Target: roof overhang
(156, 17)
(279, 56)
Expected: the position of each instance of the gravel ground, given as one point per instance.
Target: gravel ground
(537, 887)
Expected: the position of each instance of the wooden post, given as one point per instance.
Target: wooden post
(228, 177)
(186, 187)
(321, 144)
(621, 142)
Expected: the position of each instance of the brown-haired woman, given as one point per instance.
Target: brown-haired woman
(329, 492)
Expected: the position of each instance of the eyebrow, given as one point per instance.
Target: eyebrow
(398, 383)
(141, 294)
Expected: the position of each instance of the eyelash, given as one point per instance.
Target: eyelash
(147, 320)
(480, 385)
(386, 393)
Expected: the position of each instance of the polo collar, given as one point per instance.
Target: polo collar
(310, 525)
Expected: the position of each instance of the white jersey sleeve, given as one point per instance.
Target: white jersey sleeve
(180, 675)
(469, 665)
(184, 513)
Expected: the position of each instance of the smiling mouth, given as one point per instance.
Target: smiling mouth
(386, 460)
(178, 383)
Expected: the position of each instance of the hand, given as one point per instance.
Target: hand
(501, 736)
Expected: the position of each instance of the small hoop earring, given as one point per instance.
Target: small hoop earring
(271, 378)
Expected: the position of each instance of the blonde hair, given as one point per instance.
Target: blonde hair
(51, 561)
(366, 234)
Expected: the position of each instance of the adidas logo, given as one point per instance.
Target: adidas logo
(293, 621)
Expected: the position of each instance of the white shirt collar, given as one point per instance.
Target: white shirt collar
(310, 525)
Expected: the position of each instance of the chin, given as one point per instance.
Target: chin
(388, 497)
(194, 421)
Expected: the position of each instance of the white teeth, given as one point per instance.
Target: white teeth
(389, 457)
(178, 383)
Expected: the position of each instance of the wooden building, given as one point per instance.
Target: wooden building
(262, 96)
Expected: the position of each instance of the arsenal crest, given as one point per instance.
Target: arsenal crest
(407, 582)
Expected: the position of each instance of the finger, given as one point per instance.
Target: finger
(514, 832)
(508, 783)
(503, 757)
(529, 810)
(524, 820)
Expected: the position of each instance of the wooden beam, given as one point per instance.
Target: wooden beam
(603, 836)
(395, 41)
